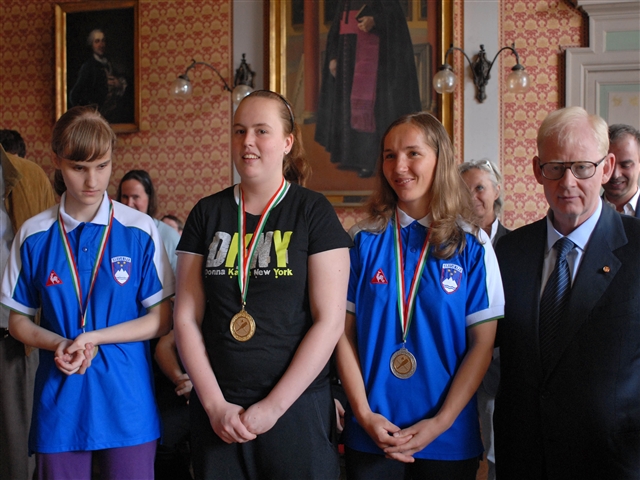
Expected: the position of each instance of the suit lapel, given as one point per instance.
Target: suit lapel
(638, 210)
(597, 269)
(531, 260)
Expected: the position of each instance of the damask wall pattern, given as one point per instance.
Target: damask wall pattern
(541, 29)
(183, 144)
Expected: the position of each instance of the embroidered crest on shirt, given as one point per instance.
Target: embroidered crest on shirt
(121, 269)
(53, 279)
(379, 278)
(450, 277)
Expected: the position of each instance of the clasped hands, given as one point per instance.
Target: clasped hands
(234, 424)
(400, 444)
(75, 356)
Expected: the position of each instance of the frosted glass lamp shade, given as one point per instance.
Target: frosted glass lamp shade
(181, 87)
(518, 80)
(239, 92)
(445, 80)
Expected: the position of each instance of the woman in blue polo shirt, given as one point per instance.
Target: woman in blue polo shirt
(100, 275)
(424, 294)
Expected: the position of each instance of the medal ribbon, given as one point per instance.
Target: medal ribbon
(406, 308)
(245, 255)
(74, 267)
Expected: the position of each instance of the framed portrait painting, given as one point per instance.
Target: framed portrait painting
(97, 60)
(349, 68)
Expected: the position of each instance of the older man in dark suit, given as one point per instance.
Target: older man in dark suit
(621, 191)
(569, 400)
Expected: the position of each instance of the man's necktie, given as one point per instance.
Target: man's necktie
(554, 298)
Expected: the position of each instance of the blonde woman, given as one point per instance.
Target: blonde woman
(424, 294)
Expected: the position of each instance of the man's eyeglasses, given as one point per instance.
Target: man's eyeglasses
(580, 170)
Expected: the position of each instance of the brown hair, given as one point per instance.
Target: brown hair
(143, 177)
(296, 168)
(81, 135)
(449, 196)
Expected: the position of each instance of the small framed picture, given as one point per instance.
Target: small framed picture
(97, 60)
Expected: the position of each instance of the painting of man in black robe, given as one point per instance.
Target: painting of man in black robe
(100, 63)
(368, 80)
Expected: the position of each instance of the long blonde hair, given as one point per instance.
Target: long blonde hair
(449, 197)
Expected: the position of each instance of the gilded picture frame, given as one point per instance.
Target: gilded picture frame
(97, 60)
(291, 34)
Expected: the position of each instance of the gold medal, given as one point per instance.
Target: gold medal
(242, 326)
(403, 363)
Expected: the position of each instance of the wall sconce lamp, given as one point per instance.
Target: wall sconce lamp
(242, 82)
(445, 80)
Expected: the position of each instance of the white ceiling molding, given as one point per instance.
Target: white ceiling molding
(610, 65)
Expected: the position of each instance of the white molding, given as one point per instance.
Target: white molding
(593, 7)
(590, 67)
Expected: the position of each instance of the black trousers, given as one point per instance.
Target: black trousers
(368, 466)
(299, 446)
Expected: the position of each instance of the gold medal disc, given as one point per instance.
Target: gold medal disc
(403, 363)
(242, 326)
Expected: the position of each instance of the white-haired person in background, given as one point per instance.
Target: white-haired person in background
(483, 179)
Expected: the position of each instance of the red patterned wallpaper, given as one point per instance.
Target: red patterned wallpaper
(540, 29)
(184, 145)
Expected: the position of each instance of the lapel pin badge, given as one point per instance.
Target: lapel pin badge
(606, 269)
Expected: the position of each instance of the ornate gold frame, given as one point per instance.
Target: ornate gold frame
(278, 11)
(62, 54)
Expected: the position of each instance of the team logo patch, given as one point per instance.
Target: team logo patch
(121, 269)
(450, 277)
(379, 278)
(53, 279)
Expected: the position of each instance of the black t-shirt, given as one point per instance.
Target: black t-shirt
(302, 224)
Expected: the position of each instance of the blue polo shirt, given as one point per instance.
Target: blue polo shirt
(453, 295)
(112, 404)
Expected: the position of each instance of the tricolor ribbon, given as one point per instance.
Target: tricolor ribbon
(73, 267)
(245, 254)
(406, 304)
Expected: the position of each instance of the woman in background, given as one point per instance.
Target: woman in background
(424, 294)
(136, 190)
(262, 275)
(483, 179)
(172, 385)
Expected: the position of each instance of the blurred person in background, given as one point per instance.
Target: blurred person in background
(26, 191)
(136, 190)
(174, 222)
(12, 142)
(621, 191)
(484, 181)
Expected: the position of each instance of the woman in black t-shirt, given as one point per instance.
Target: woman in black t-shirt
(255, 331)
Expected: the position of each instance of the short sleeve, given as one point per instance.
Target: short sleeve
(192, 239)
(18, 291)
(325, 230)
(485, 301)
